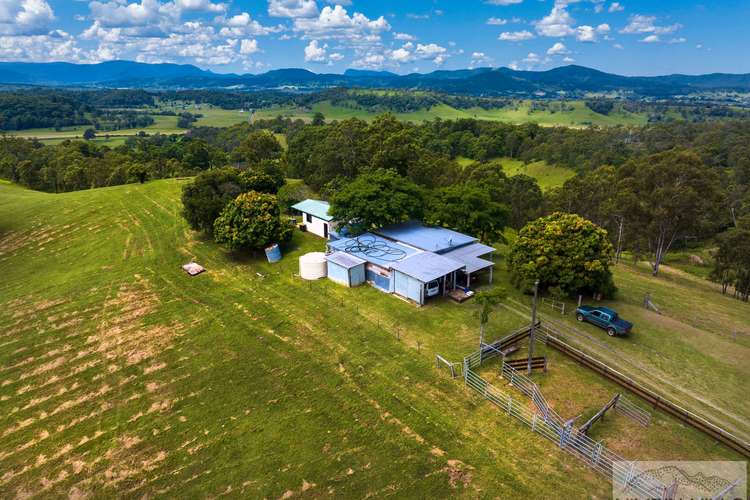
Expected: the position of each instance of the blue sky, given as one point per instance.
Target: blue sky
(627, 37)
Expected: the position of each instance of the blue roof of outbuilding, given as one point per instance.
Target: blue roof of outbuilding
(316, 208)
(428, 238)
(427, 266)
(374, 249)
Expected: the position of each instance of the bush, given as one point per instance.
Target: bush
(564, 252)
(251, 221)
(208, 194)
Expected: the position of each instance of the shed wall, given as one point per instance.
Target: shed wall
(338, 273)
(357, 275)
(316, 226)
(408, 287)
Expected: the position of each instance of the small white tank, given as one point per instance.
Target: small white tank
(313, 266)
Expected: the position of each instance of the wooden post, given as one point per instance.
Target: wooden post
(532, 332)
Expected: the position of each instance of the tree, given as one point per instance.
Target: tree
(732, 262)
(377, 199)
(468, 209)
(138, 172)
(524, 198)
(259, 182)
(197, 155)
(89, 134)
(207, 195)
(487, 300)
(256, 147)
(293, 193)
(318, 119)
(666, 196)
(251, 221)
(562, 250)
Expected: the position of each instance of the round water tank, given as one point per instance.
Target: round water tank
(312, 266)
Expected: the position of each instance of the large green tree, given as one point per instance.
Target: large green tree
(732, 261)
(251, 221)
(205, 197)
(468, 209)
(256, 147)
(562, 250)
(377, 199)
(667, 196)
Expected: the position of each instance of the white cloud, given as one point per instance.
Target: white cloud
(479, 59)
(639, 24)
(200, 6)
(243, 25)
(314, 52)
(589, 33)
(650, 39)
(616, 7)
(54, 46)
(503, 2)
(292, 8)
(558, 23)
(429, 51)
(516, 36)
(531, 58)
(401, 55)
(336, 24)
(370, 61)
(618, 46)
(569, 60)
(558, 49)
(404, 36)
(677, 40)
(248, 47)
(25, 17)
(497, 21)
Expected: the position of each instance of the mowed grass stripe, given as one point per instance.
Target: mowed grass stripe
(389, 427)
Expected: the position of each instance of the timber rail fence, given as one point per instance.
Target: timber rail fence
(548, 424)
(553, 338)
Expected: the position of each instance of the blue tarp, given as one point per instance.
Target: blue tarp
(427, 266)
(429, 238)
(373, 249)
(316, 208)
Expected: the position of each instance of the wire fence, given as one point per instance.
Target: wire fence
(624, 474)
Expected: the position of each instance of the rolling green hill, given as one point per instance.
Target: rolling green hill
(579, 116)
(119, 374)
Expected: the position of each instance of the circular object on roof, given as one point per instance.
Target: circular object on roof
(313, 266)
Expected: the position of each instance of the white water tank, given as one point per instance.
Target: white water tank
(313, 266)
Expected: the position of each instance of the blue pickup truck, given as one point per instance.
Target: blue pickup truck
(606, 318)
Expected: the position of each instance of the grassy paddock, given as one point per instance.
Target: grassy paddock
(120, 374)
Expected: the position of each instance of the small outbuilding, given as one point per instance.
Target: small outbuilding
(346, 269)
(315, 217)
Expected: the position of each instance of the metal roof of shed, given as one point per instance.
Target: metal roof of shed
(469, 255)
(316, 208)
(427, 266)
(429, 238)
(373, 248)
(345, 260)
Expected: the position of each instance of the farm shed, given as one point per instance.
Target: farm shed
(315, 217)
(379, 255)
(413, 275)
(346, 269)
(446, 242)
(410, 260)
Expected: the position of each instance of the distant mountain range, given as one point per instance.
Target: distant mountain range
(480, 81)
